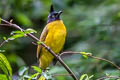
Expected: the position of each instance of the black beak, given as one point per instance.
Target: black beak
(59, 13)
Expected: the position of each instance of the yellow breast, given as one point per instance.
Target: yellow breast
(55, 39)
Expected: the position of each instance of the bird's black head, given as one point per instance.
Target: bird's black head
(53, 15)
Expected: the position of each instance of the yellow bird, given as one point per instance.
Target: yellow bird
(53, 35)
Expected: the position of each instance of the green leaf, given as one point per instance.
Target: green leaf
(34, 75)
(17, 32)
(37, 69)
(83, 53)
(3, 77)
(30, 31)
(0, 20)
(3, 67)
(39, 42)
(85, 77)
(4, 38)
(91, 76)
(6, 64)
(85, 56)
(16, 36)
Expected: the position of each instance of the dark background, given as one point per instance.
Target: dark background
(92, 26)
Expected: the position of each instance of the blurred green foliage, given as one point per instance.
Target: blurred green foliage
(92, 26)
(6, 68)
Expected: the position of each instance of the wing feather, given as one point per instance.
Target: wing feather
(42, 39)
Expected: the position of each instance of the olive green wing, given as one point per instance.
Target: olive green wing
(42, 39)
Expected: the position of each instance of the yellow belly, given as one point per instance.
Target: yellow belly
(55, 39)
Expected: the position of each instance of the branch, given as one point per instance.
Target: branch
(2, 43)
(55, 75)
(89, 55)
(46, 47)
(98, 58)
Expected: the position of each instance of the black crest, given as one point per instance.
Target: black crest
(51, 9)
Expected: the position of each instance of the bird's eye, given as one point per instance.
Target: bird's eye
(52, 16)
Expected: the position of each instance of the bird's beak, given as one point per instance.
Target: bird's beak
(59, 13)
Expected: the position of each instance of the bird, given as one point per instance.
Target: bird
(53, 36)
